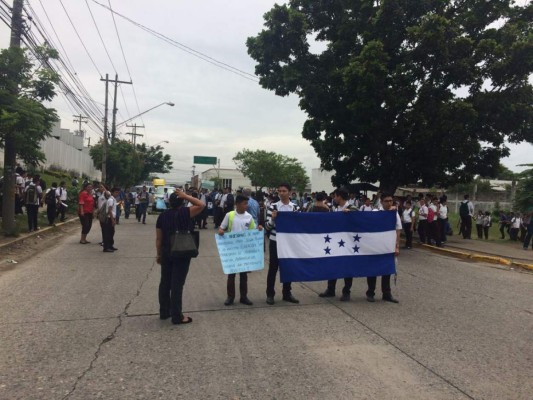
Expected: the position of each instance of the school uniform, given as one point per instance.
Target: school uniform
(407, 224)
(423, 223)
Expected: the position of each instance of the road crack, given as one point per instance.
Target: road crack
(120, 319)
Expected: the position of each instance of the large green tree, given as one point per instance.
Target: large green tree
(25, 82)
(128, 165)
(523, 200)
(269, 169)
(403, 91)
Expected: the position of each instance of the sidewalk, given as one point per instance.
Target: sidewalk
(483, 250)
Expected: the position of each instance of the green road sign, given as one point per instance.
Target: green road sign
(205, 160)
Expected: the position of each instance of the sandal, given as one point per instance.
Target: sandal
(183, 321)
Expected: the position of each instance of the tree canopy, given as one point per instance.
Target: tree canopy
(523, 200)
(402, 91)
(128, 165)
(24, 84)
(269, 169)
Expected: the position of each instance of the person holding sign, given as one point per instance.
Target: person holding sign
(237, 221)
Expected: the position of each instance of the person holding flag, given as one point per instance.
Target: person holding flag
(341, 197)
(237, 221)
(386, 202)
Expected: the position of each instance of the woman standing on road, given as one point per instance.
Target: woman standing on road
(174, 270)
(85, 211)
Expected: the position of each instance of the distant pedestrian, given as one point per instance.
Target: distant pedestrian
(408, 216)
(466, 212)
(529, 233)
(479, 224)
(51, 204)
(515, 223)
(62, 199)
(144, 199)
(32, 199)
(487, 223)
(86, 211)
(503, 224)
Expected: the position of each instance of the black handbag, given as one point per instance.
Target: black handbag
(184, 245)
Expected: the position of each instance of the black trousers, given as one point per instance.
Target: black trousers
(466, 227)
(61, 211)
(86, 221)
(408, 234)
(143, 207)
(32, 211)
(173, 275)
(385, 285)
(348, 282)
(51, 213)
(423, 230)
(108, 234)
(243, 285)
(434, 232)
(486, 232)
(479, 229)
(443, 225)
(273, 266)
(502, 230)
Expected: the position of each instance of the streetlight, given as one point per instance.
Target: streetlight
(171, 104)
(163, 141)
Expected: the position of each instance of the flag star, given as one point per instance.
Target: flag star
(356, 238)
(327, 250)
(341, 243)
(356, 249)
(327, 239)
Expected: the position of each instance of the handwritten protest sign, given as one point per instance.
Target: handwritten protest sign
(241, 251)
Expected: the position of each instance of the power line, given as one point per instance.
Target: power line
(125, 61)
(79, 37)
(101, 39)
(185, 48)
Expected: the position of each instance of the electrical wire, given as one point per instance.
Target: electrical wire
(185, 48)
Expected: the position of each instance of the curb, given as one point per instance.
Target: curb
(29, 235)
(479, 257)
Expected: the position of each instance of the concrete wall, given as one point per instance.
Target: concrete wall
(237, 178)
(66, 150)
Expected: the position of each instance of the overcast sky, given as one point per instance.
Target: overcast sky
(216, 112)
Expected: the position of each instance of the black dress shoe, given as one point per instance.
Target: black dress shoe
(229, 301)
(345, 297)
(390, 299)
(370, 298)
(114, 248)
(327, 293)
(270, 300)
(108, 251)
(291, 299)
(246, 300)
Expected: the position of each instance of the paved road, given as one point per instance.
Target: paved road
(77, 323)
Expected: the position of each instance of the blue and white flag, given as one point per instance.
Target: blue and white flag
(322, 246)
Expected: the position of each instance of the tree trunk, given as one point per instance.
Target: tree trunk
(8, 203)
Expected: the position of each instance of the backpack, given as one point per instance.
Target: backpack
(50, 197)
(431, 215)
(31, 195)
(463, 209)
(102, 213)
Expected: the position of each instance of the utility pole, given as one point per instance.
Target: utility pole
(104, 144)
(10, 152)
(81, 120)
(134, 133)
(115, 109)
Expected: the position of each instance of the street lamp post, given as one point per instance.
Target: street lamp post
(171, 104)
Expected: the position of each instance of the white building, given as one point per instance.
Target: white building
(232, 178)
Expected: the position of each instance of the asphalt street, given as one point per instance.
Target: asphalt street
(77, 323)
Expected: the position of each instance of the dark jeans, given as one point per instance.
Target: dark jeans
(466, 227)
(143, 207)
(408, 234)
(422, 230)
(486, 232)
(51, 213)
(108, 234)
(385, 285)
(479, 229)
(118, 212)
(273, 266)
(173, 274)
(434, 232)
(513, 233)
(61, 209)
(443, 225)
(218, 216)
(32, 211)
(529, 234)
(127, 209)
(332, 283)
(243, 285)
(86, 223)
(502, 230)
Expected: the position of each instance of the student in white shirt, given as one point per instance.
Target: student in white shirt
(422, 221)
(237, 221)
(443, 219)
(408, 216)
(367, 206)
(487, 223)
(516, 221)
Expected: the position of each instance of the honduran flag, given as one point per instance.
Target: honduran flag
(322, 246)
